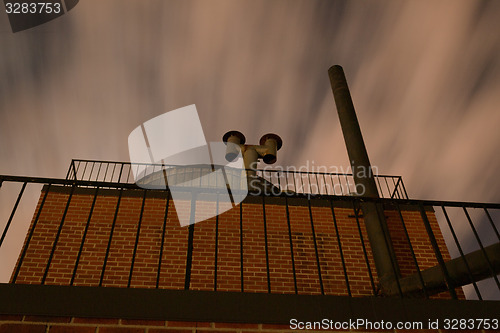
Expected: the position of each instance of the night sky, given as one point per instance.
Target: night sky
(424, 77)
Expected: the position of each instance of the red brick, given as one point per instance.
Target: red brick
(275, 327)
(11, 317)
(236, 325)
(466, 331)
(181, 324)
(80, 320)
(170, 330)
(121, 330)
(22, 328)
(47, 319)
(216, 331)
(72, 329)
(143, 322)
(419, 331)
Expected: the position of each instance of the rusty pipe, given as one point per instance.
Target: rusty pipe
(376, 226)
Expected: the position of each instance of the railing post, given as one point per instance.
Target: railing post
(74, 169)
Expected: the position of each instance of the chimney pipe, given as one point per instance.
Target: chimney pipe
(376, 226)
(360, 163)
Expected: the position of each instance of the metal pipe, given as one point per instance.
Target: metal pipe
(233, 140)
(250, 160)
(271, 144)
(376, 226)
(392, 284)
(460, 271)
(360, 163)
(267, 150)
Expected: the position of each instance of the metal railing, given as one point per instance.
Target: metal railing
(488, 218)
(302, 182)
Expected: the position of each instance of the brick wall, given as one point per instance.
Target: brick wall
(144, 269)
(141, 269)
(40, 324)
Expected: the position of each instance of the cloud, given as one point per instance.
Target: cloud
(424, 77)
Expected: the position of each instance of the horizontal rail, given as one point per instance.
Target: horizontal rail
(297, 181)
(117, 185)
